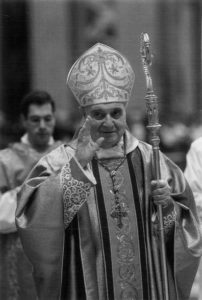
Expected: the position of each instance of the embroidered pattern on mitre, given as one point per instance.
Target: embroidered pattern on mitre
(101, 75)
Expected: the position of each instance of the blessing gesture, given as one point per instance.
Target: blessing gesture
(86, 147)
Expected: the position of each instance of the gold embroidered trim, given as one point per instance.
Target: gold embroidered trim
(169, 220)
(74, 192)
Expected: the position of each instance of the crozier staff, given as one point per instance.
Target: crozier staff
(87, 212)
(153, 128)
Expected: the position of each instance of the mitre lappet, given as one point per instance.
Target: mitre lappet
(101, 75)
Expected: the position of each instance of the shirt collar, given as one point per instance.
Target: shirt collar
(25, 140)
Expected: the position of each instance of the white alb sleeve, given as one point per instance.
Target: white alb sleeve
(8, 204)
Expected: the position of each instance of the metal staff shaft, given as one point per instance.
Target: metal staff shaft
(154, 127)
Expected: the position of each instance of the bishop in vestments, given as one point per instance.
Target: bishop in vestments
(87, 213)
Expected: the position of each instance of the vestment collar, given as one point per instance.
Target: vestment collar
(118, 150)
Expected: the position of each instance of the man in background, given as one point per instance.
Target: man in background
(16, 161)
(193, 173)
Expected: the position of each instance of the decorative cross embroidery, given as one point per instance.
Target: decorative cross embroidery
(118, 214)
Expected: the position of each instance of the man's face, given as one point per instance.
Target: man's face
(108, 121)
(39, 124)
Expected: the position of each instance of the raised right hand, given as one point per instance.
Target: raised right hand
(86, 147)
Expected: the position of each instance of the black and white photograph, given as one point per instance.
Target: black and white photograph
(100, 150)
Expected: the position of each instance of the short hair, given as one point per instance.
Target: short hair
(37, 97)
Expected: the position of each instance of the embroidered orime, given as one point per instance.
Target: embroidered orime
(169, 220)
(74, 192)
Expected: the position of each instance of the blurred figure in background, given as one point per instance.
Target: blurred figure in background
(137, 124)
(195, 126)
(16, 161)
(175, 139)
(193, 173)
